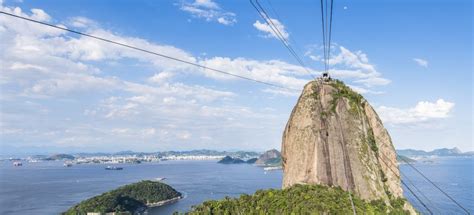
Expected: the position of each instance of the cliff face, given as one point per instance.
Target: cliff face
(334, 137)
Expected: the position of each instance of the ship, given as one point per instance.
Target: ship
(271, 168)
(17, 163)
(113, 168)
(67, 164)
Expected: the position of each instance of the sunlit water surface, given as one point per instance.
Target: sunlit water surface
(51, 188)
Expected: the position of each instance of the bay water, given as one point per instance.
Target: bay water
(51, 188)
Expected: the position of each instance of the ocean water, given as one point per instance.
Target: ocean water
(50, 188)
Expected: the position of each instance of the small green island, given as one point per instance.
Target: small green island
(230, 160)
(299, 199)
(128, 199)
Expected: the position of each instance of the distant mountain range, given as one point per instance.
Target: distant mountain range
(201, 152)
(270, 158)
(206, 152)
(244, 155)
(437, 152)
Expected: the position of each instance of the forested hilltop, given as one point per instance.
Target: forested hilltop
(129, 198)
(299, 199)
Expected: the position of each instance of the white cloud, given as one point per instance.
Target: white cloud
(206, 4)
(161, 77)
(356, 65)
(76, 80)
(316, 58)
(225, 21)
(70, 83)
(423, 111)
(269, 33)
(355, 60)
(185, 135)
(362, 90)
(82, 22)
(282, 92)
(421, 62)
(273, 71)
(208, 10)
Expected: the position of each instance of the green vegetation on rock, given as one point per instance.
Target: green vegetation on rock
(129, 198)
(371, 141)
(299, 199)
(343, 91)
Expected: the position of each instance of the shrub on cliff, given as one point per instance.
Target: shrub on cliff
(299, 199)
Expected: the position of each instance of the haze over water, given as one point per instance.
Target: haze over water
(50, 188)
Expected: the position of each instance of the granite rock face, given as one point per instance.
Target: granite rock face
(334, 137)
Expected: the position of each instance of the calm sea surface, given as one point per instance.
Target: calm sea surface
(50, 188)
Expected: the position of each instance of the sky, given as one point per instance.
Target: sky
(61, 92)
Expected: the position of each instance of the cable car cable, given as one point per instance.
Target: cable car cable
(147, 51)
(261, 11)
(435, 185)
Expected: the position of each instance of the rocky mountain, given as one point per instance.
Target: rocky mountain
(269, 158)
(335, 138)
(437, 152)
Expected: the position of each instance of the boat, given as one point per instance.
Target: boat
(17, 163)
(67, 164)
(113, 168)
(272, 168)
(160, 179)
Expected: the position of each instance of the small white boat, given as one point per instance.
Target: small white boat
(17, 163)
(271, 168)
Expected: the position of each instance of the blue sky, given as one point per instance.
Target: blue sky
(60, 92)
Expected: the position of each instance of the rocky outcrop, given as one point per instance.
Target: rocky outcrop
(334, 137)
(269, 158)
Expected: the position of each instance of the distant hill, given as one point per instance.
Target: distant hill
(404, 159)
(60, 157)
(230, 160)
(206, 152)
(128, 199)
(269, 158)
(199, 152)
(437, 152)
(251, 160)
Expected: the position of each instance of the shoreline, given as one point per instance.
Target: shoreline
(157, 204)
(164, 202)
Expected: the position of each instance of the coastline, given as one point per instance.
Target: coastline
(164, 202)
(158, 204)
